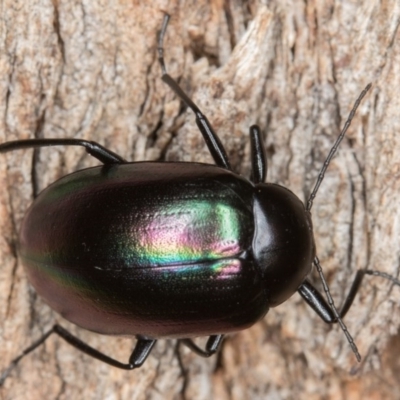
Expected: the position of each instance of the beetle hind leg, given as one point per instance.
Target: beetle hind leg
(138, 357)
(212, 346)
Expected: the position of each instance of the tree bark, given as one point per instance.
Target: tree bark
(89, 70)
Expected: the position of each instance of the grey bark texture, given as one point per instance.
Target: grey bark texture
(85, 69)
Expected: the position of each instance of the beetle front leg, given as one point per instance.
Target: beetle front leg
(138, 357)
(212, 346)
(212, 140)
(318, 303)
(96, 150)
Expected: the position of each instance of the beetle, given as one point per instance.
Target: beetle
(171, 249)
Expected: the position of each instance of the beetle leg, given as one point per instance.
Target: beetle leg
(16, 360)
(138, 357)
(317, 302)
(258, 160)
(212, 140)
(96, 150)
(212, 346)
(327, 311)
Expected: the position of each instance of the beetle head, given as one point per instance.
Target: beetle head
(283, 244)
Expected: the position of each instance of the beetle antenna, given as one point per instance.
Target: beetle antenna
(309, 206)
(383, 275)
(335, 311)
(335, 147)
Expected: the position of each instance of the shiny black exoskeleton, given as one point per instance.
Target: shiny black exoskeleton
(169, 249)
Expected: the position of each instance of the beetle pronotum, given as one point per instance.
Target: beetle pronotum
(174, 249)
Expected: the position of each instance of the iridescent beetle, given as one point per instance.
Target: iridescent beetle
(175, 249)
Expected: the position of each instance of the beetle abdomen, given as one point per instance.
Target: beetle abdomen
(146, 248)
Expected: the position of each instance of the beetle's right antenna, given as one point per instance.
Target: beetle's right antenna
(321, 175)
(335, 147)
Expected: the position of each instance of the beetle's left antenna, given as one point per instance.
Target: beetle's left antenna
(212, 140)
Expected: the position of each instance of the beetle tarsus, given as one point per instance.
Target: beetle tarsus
(160, 47)
(212, 140)
(28, 350)
(93, 148)
(212, 346)
(139, 355)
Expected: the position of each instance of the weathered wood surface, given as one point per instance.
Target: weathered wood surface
(89, 70)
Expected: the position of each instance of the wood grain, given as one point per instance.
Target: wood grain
(89, 70)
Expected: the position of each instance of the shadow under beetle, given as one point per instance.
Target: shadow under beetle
(171, 249)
